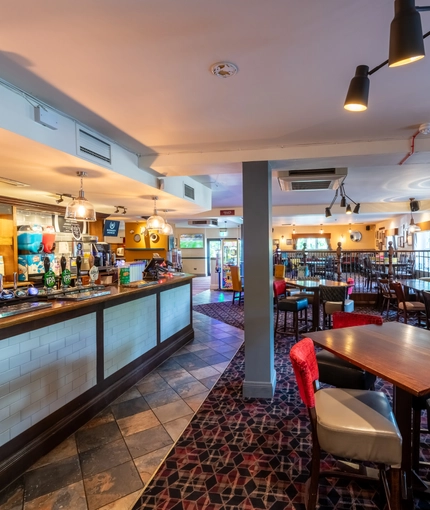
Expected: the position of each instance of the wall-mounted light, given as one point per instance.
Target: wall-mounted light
(294, 229)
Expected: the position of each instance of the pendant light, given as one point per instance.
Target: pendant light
(321, 229)
(167, 229)
(155, 222)
(79, 208)
(357, 96)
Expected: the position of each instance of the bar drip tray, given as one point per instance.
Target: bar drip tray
(81, 296)
(10, 310)
(139, 284)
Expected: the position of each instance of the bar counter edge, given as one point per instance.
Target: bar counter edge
(61, 366)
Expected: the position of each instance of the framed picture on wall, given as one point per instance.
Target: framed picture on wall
(409, 240)
(401, 241)
(288, 242)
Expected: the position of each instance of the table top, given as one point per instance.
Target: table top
(396, 352)
(417, 284)
(311, 284)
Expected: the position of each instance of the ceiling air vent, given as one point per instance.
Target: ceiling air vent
(311, 180)
(93, 148)
(204, 223)
(189, 192)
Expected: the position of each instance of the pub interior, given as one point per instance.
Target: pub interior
(175, 227)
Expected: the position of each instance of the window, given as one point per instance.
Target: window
(312, 243)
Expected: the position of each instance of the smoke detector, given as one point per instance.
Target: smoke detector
(224, 69)
(424, 129)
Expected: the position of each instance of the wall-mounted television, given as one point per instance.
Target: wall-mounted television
(191, 241)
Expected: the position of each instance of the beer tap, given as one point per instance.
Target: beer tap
(78, 271)
(65, 273)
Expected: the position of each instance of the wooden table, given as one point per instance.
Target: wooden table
(396, 352)
(313, 286)
(415, 284)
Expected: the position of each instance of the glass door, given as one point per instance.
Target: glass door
(230, 257)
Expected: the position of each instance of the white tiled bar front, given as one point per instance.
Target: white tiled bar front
(59, 367)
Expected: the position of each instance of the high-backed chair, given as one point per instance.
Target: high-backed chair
(338, 372)
(237, 287)
(334, 299)
(407, 308)
(388, 295)
(426, 299)
(351, 424)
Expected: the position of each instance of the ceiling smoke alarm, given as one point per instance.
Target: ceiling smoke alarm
(224, 69)
(424, 129)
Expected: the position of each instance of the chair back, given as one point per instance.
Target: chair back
(279, 289)
(235, 279)
(398, 289)
(384, 287)
(349, 319)
(336, 294)
(305, 366)
(426, 298)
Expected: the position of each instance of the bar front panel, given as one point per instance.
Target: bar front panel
(175, 307)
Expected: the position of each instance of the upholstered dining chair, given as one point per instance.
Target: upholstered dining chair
(237, 287)
(352, 424)
(338, 372)
(407, 308)
(334, 299)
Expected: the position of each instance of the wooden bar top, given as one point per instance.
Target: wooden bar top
(59, 306)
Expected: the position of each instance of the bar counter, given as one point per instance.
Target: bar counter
(62, 365)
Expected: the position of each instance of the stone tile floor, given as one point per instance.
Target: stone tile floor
(107, 463)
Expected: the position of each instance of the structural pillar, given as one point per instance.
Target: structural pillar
(260, 375)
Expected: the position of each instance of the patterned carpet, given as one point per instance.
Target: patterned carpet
(252, 453)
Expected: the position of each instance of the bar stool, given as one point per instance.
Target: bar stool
(294, 305)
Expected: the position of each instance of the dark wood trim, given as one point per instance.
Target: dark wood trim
(100, 349)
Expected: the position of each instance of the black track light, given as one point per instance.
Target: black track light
(357, 96)
(348, 209)
(59, 200)
(356, 209)
(406, 34)
(327, 212)
(117, 209)
(124, 211)
(343, 202)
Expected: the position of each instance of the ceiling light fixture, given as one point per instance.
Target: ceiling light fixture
(124, 211)
(59, 200)
(167, 229)
(117, 209)
(343, 202)
(413, 227)
(155, 222)
(79, 208)
(406, 46)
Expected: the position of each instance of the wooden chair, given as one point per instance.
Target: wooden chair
(237, 287)
(388, 295)
(351, 424)
(407, 308)
(338, 372)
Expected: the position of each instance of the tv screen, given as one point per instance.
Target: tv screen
(111, 228)
(191, 241)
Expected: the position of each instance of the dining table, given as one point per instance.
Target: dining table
(398, 353)
(313, 286)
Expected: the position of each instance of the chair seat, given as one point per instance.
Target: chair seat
(308, 295)
(338, 372)
(358, 424)
(292, 304)
(415, 306)
(336, 306)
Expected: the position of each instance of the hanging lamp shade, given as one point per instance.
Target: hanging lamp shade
(357, 96)
(167, 229)
(406, 34)
(155, 222)
(79, 208)
(348, 209)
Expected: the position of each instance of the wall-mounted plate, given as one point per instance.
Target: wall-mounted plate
(137, 238)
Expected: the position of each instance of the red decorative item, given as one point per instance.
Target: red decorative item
(305, 366)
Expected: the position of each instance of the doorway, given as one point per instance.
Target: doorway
(214, 258)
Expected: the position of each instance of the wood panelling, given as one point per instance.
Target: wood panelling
(8, 243)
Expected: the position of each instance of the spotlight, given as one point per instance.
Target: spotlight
(406, 34)
(356, 209)
(348, 209)
(327, 212)
(124, 211)
(117, 209)
(59, 200)
(358, 93)
(343, 202)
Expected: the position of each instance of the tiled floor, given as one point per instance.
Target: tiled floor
(108, 462)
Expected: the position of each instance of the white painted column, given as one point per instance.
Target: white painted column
(260, 375)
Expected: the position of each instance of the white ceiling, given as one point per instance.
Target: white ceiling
(139, 73)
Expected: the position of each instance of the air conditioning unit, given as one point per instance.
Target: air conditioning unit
(311, 180)
(203, 223)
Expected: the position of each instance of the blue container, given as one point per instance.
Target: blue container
(29, 241)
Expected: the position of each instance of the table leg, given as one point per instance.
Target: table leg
(402, 411)
(316, 310)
